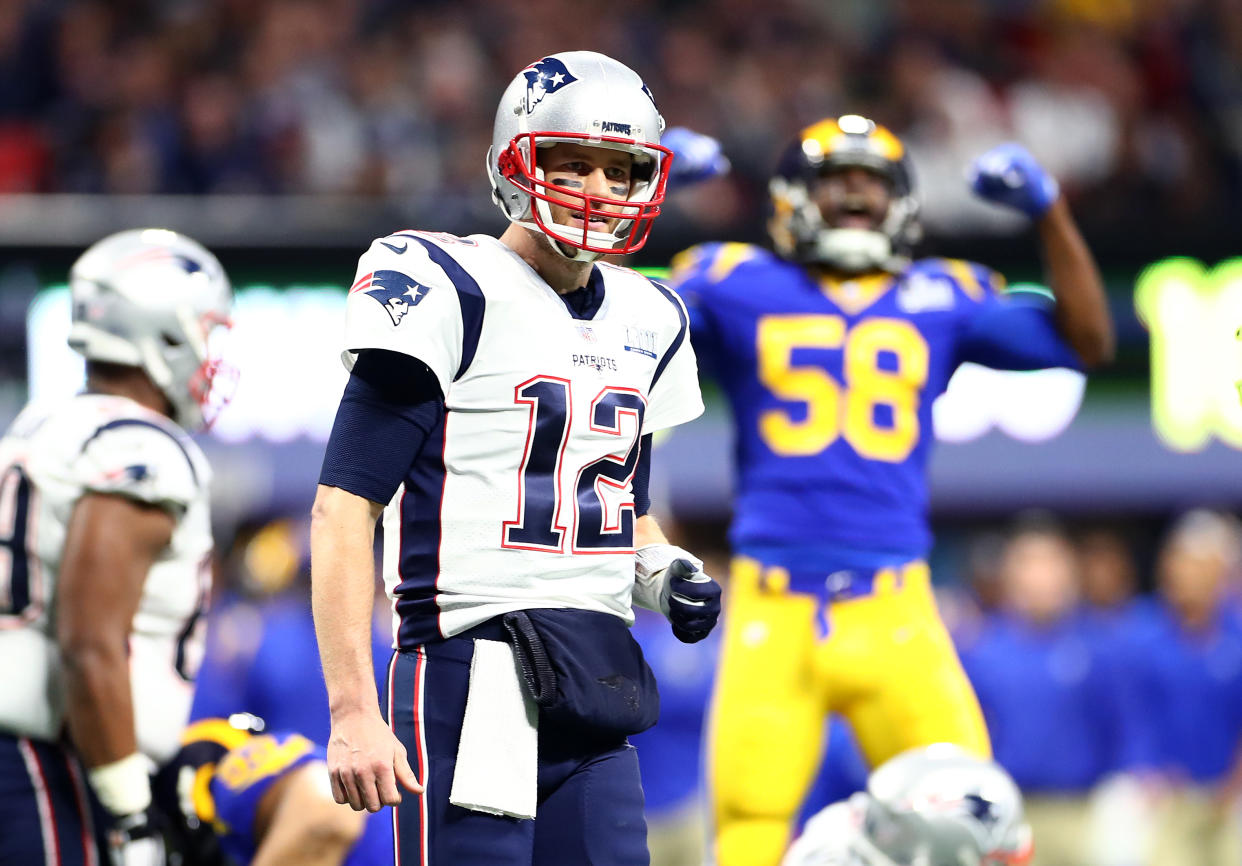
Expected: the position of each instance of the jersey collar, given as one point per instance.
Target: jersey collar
(856, 293)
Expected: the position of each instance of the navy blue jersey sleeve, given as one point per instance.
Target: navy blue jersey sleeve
(1016, 333)
(391, 404)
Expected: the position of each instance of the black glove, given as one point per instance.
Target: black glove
(693, 601)
(137, 839)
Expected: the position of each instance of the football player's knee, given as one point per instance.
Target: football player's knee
(753, 842)
(736, 803)
(761, 743)
(763, 763)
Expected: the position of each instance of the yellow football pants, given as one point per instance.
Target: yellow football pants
(887, 665)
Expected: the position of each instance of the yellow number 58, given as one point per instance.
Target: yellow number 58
(842, 408)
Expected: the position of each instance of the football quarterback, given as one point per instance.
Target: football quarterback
(502, 397)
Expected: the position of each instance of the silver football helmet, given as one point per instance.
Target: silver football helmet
(153, 298)
(942, 806)
(590, 99)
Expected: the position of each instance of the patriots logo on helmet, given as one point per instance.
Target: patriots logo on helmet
(546, 76)
(159, 254)
(983, 809)
(393, 290)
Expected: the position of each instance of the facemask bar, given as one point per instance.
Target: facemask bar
(214, 383)
(634, 215)
(799, 229)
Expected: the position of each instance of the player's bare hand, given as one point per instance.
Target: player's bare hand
(366, 763)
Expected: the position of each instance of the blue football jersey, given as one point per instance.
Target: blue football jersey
(245, 774)
(831, 385)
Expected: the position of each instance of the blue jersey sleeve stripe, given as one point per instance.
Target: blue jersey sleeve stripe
(138, 422)
(681, 334)
(418, 563)
(470, 296)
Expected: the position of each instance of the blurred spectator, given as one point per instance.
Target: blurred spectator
(978, 591)
(1109, 574)
(1192, 657)
(1130, 104)
(1052, 692)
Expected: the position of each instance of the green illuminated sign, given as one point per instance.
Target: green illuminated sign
(1193, 312)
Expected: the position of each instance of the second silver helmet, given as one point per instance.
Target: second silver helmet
(151, 298)
(942, 806)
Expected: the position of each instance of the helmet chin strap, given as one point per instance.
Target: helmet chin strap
(571, 252)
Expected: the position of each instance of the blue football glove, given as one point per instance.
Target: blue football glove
(696, 157)
(1008, 175)
(693, 601)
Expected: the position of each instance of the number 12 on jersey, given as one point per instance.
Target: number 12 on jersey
(540, 523)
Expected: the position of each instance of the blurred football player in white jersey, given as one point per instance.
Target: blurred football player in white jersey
(105, 541)
(935, 805)
(499, 413)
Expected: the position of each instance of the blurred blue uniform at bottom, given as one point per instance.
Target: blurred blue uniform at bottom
(1059, 700)
(249, 771)
(1192, 692)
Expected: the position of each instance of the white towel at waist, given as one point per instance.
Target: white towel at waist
(497, 758)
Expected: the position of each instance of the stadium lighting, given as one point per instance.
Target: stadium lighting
(1193, 312)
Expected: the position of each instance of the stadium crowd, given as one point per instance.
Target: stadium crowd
(1136, 104)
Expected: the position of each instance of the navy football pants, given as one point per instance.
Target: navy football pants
(590, 806)
(48, 815)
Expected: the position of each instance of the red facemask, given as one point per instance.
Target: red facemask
(515, 168)
(215, 382)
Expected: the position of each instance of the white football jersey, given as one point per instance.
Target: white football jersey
(49, 459)
(522, 497)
